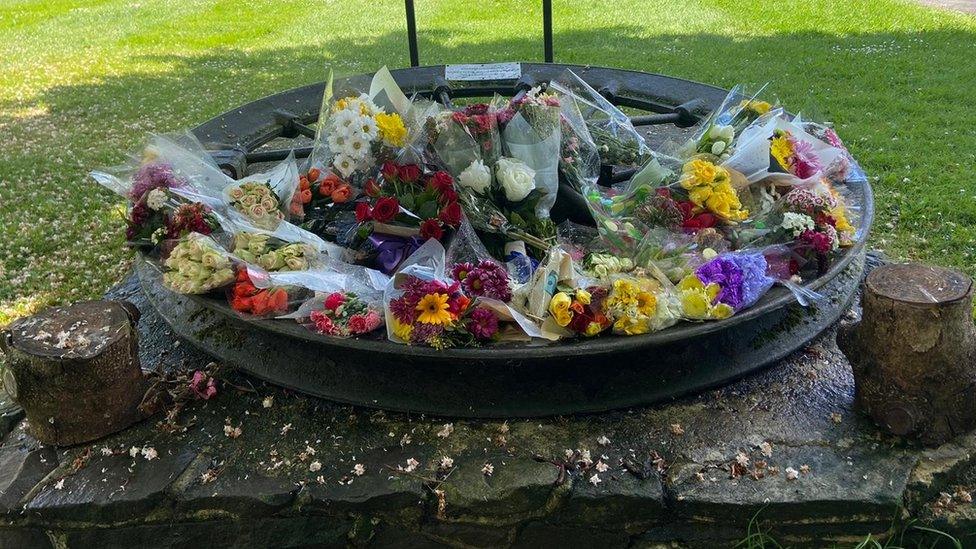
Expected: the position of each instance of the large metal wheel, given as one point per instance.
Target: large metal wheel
(511, 380)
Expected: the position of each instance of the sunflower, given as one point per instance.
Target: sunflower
(433, 309)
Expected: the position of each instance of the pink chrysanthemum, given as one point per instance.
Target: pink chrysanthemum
(805, 161)
(488, 279)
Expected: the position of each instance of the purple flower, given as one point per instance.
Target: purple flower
(424, 334)
(755, 281)
(483, 324)
(487, 279)
(727, 274)
(153, 176)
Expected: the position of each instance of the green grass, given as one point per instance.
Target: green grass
(81, 82)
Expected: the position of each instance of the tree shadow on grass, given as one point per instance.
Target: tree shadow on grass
(901, 99)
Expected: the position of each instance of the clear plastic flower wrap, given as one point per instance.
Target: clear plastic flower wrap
(197, 264)
(579, 157)
(155, 213)
(425, 306)
(718, 134)
(531, 132)
(618, 142)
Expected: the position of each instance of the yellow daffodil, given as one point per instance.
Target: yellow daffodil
(391, 129)
(433, 309)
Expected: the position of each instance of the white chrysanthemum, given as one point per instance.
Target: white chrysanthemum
(344, 164)
(346, 118)
(367, 127)
(356, 147)
(336, 141)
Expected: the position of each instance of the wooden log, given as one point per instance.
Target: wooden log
(75, 370)
(914, 351)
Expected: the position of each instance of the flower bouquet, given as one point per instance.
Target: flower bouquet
(344, 314)
(248, 299)
(197, 265)
(578, 311)
(404, 209)
(724, 285)
(272, 254)
(640, 305)
(720, 132)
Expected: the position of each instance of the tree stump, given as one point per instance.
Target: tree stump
(75, 370)
(914, 351)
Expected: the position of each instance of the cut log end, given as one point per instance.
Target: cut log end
(920, 284)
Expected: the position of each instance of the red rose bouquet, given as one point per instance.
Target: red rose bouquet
(404, 209)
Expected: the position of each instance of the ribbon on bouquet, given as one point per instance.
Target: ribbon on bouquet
(393, 249)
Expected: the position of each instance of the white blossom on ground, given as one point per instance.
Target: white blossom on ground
(446, 462)
(315, 466)
(359, 470)
(488, 470)
(791, 473)
(446, 430)
(603, 440)
(595, 479)
(267, 402)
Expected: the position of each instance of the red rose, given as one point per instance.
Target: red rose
(442, 182)
(699, 222)
(448, 196)
(386, 209)
(389, 171)
(451, 214)
(362, 212)
(409, 173)
(371, 189)
(580, 322)
(460, 118)
(431, 229)
(334, 300)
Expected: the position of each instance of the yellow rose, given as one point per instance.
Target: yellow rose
(559, 308)
(583, 297)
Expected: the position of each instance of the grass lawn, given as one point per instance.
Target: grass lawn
(82, 81)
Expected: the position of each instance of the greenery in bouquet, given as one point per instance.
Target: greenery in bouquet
(437, 314)
(616, 150)
(197, 265)
(257, 201)
(502, 205)
(344, 314)
(540, 110)
(271, 254)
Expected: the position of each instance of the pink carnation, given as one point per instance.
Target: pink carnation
(362, 324)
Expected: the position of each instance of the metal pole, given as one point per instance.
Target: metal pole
(547, 29)
(412, 34)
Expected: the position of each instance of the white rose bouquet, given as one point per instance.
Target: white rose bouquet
(503, 204)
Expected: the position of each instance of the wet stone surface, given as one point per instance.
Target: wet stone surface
(785, 443)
